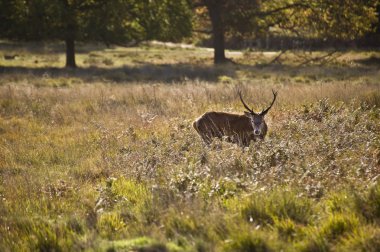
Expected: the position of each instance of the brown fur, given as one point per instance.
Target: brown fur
(235, 128)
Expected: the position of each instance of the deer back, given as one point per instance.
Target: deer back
(218, 124)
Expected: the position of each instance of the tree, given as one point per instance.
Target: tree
(109, 21)
(343, 19)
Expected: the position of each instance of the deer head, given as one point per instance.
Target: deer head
(257, 119)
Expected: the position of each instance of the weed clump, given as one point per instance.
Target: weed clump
(369, 204)
(338, 225)
(247, 242)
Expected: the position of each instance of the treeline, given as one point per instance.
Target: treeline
(265, 24)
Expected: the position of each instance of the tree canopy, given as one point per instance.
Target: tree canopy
(109, 21)
(343, 19)
(125, 21)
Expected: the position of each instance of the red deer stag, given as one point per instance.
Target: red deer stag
(234, 128)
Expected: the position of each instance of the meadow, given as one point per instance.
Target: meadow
(104, 157)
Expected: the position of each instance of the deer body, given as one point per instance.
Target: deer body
(240, 129)
(235, 128)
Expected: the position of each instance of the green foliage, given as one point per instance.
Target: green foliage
(369, 205)
(134, 192)
(267, 208)
(346, 19)
(342, 20)
(340, 202)
(166, 20)
(364, 239)
(181, 224)
(323, 19)
(315, 242)
(132, 202)
(109, 224)
(286, 229)
(338, 225)
(255, 210)
(43, 235)
(117, 21)
(138, 244)
(288, 205)
(247, 242)
(114, 21)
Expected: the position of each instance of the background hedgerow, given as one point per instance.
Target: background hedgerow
(107, 159)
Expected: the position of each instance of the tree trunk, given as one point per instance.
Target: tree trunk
(70, 53)
(214, 10)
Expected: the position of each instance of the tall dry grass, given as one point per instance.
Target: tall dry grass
(113, 163)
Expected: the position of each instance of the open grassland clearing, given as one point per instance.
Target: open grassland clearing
(105, 158)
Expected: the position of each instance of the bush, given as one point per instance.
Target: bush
(247, 242)
(111, 225)
(367, 238)
(286, 229)
(288, 205)
(369, 203)
(338, 225)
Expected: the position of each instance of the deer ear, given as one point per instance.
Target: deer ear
(247, 114)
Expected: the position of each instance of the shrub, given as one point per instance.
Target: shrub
(177, 224)
(367, 238)
(247, 242)
(110, 225)
(338, 225)
(254, 209)
(368, 204)
(286, 229)
(288, 205)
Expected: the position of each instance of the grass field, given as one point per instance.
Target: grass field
(104, 158)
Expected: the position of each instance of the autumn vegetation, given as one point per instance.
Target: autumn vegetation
(97, 148)
(104, 158)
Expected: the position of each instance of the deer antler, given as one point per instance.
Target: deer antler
(245, 105)
(274, 98)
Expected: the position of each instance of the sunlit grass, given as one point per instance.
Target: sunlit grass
(111, 161)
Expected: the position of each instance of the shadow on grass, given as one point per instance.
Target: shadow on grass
(145, 71)
(371, 61)
(48, 47)
(180, 72)
(165, 73)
